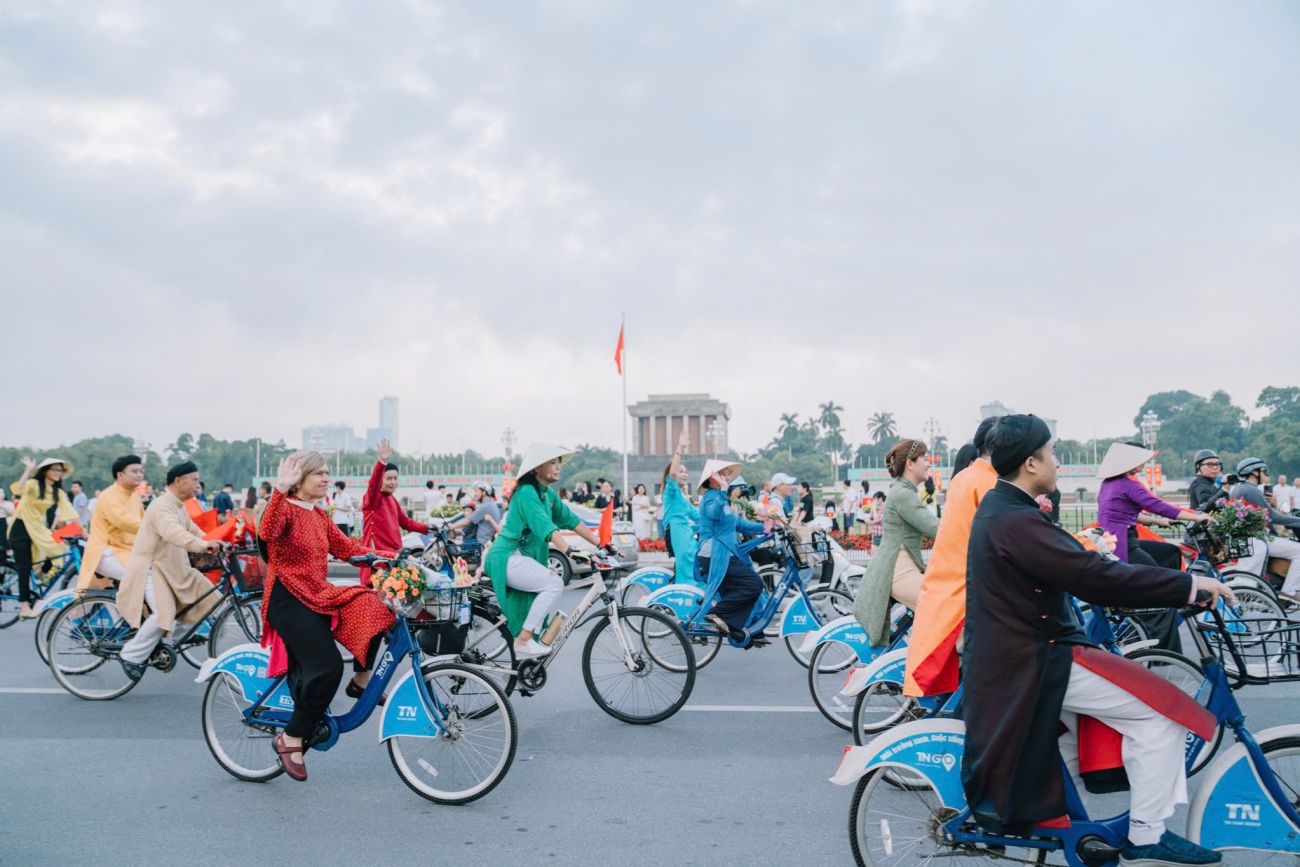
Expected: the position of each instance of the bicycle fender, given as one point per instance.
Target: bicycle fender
(55, 601)
(889, 667)
(797, 619)
(1231, 807)
(651, 577)
(931, 748)
(683, 599)
(846, 630)
(247, 665)
(405, 714)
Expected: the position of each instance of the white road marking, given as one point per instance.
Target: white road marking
(750, 708)
(32, 690)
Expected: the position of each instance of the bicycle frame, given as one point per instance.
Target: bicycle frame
(761, 617)
(398, 645)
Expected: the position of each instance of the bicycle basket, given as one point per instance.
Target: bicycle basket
(1255, 648)
(250, 572)
(444, 603)
(1223, 549)
(439, 629)
(205, 562)
(811, 549)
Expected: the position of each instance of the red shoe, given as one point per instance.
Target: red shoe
(297, 770)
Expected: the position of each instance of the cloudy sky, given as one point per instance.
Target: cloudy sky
(242, 218)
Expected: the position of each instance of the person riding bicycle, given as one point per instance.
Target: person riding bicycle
(897, 569)
(680, 515)
(159, 574)
(40, 492)
(719, 553)
(482, 523)
(382, 517)
(1121, 502)
(932, 661)
(1253, 474)
(518, 561)
(114, 526)
(1204, 493)
(1028, 667)
(304, 614)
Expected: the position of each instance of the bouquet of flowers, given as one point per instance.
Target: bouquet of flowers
(1235, 523)
(401, 584)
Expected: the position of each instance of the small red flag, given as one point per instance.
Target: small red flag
(606, 530)
(618, 352)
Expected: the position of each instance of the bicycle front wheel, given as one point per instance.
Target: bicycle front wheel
(476, 744)
(640, 668)
(1188, 677)
(830, 664)
(827, 605)
(44, 624)
(243, 750)
(239, 622)
(881, 706)
(85, 641)
(8, 596)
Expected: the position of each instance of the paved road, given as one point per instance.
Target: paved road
(738, 777)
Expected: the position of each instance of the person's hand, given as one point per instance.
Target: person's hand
(29, 462)
(1161, 522)
(1200, 517)
(1107, 543)
(683, 441)
(1215, 589)
(214, 544)
(385, 451)
(288, 474)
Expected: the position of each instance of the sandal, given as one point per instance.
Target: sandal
(354, 690)
(296, 770)
(719, 624)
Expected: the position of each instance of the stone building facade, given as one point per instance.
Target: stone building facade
(657, 423)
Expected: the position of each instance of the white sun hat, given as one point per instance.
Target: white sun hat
(540, 453)
(1121, 458)
(49, 462)
(714, 466)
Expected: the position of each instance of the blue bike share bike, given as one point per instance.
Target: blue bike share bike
(909, 806)
(450, 731)
(84, 640)
(801, 610)
(47, 581)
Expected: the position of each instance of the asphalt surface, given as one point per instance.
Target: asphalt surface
(739, 776)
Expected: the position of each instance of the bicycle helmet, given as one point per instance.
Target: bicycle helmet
(1204, 455)
(1250, 465)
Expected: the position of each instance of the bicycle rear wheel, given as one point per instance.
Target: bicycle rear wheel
(8, 595)
(652, 680)
(238, 622)
(476, 746)
(490, 649)
(243, 750)
(827, 605)
(42, 634)
(829, 666)
(85, 641)
(891, 826)
(1188, 677)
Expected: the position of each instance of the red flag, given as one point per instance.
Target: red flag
(618, 352)
(606, 530)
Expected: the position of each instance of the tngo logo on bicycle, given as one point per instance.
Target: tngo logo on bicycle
(947, 760)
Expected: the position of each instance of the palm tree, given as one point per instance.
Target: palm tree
(789, 421)
(828, 415)
(882, 426)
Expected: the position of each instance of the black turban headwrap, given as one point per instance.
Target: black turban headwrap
(182, 469)
(124, 462)
(1018, 437)
(982, 433)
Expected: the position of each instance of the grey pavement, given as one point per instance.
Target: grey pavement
(131, 781)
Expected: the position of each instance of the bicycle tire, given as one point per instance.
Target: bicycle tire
(496, 713)
(9, 603)
(671, 654)
(85, 638)
(244, 739)
(41, 636)
(1169, 665)
(793, 642)
(242, 616)
(898, 708)
(826, 679)
(497, 663)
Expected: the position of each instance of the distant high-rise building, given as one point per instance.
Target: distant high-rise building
(388, 417)
(331, 438)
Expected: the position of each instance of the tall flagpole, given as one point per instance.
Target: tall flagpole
(627, 494)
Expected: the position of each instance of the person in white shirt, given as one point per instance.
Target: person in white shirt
(849, 499)
(1283, 496)
(344, 510)
(434, 498)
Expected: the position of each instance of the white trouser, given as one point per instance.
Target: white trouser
(149, 634)
(1152, 749)
(525, 573)
(109, 567)
(1261, 550)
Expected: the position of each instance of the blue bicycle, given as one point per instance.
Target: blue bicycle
(801, 610)
(450, 731)
(45, 582)
(1249, 798)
